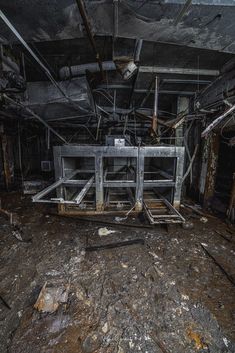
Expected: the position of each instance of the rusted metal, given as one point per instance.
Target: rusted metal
(210, 178)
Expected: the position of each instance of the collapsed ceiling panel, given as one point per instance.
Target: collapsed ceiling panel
(203, 25)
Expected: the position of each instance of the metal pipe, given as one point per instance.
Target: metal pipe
(154, 120)
(177, 81)
(148, 91)
(76, 70)
(73, 71)
(178, 70)
(35, 116)
(155, 97)
(80, 196)
(83, 14)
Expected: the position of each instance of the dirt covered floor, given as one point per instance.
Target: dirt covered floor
(173, 294)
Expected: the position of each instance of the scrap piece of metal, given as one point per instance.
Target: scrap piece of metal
(76, 70)
(115, 245)
(178, 70)
(217, 121)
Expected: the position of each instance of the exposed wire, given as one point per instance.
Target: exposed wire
(96, 91)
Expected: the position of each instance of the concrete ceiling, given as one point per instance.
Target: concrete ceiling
(205, 24)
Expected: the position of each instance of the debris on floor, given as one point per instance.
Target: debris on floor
(105, 231)
(50, 298)
(148, 290)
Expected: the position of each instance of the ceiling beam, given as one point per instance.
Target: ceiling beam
(178, 70)
(186, 81)
(73, 71)
(203, 2)
(144, 90)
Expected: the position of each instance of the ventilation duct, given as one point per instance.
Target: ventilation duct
(67, 72)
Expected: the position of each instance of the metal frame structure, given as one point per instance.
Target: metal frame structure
(133, 179)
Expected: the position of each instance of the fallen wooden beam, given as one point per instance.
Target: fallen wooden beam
(115, 245)
(98, 221)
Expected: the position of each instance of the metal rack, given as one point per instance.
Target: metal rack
(105, 179)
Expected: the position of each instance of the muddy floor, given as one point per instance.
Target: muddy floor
(171, 292)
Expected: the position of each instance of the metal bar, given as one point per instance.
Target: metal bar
(84, 190)
(50, 188)
(138, 48)
(217, 121)
(204, 2)
(181, 14)
(154, 119)
(147, 91)
(178, 81)
(35, 116)
(83, 14)
(178, 70)
(173, 208)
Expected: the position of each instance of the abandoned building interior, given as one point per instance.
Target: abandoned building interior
(117, 176)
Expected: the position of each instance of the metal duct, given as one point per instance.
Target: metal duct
(46, 100)
(67, 72)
